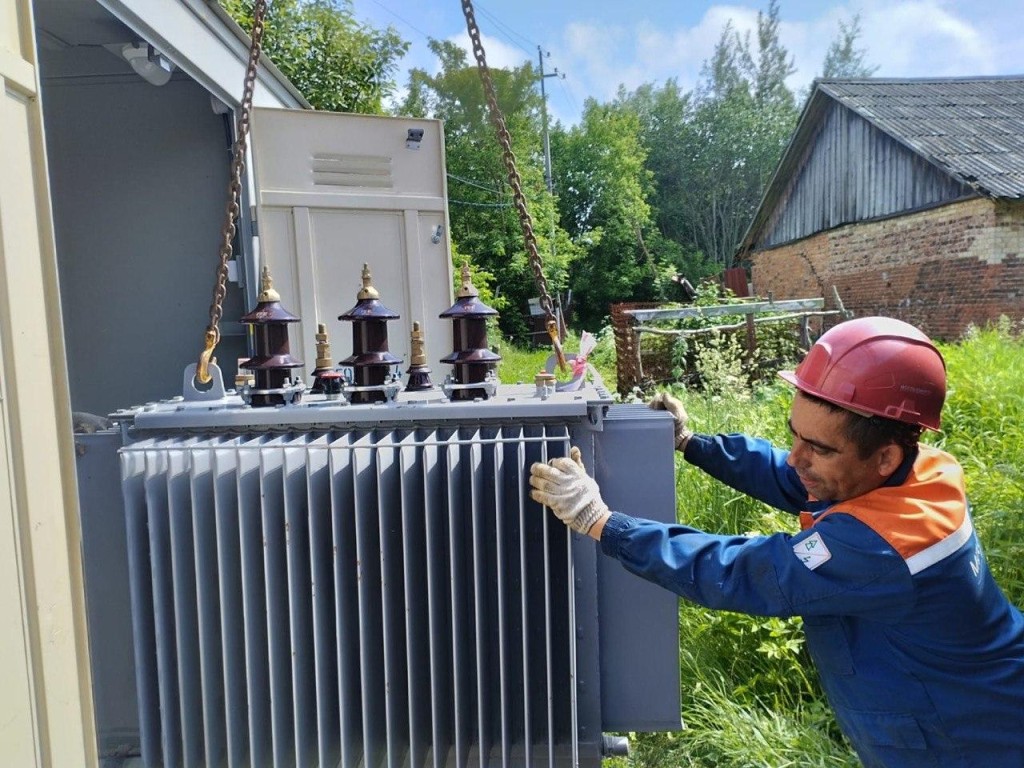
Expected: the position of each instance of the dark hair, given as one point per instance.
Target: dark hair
(869, 433)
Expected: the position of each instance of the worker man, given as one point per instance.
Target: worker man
(919, 652)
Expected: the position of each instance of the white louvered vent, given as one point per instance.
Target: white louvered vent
(374, 597)
(335, 170)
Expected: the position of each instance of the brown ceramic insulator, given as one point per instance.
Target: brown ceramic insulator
(272, 364)
(369, 336)
(371, 361)
(276, 378)
(272, 340)
(472, 358)
(469, 333)
(471, 366)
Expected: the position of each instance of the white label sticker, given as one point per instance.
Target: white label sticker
(812, 551)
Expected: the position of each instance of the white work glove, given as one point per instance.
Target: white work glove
(564, 485)
(663, 401)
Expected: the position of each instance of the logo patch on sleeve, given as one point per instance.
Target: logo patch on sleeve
(812, 551)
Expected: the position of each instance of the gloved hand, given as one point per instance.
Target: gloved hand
(663, 401)
(564, 485)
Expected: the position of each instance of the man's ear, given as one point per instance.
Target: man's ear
(889, 458)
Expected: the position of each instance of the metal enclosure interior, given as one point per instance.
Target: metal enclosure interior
(138, 175)
(335, 191)
(370, 585)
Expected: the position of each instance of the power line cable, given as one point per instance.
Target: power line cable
(402, 19)
(478, 205)
(508, 32)
(475, 184)
(570, 96)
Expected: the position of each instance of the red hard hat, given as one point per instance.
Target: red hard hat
(876, 365)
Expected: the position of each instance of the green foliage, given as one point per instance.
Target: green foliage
(718, 361)
(983, 426)
(711, 152)
(337, 63)
(482, 280)
(519, 364)
(844, 58)
(603, 187)
(485, 224)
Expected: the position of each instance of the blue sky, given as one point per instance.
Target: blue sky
(600, 44)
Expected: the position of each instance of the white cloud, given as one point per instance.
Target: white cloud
(603, 57)
(903, 38)
(911, 38)
(924, 39)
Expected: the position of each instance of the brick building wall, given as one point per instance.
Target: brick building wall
(942, 269)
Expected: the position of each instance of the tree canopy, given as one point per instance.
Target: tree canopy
(337, 63)
(485, 224)
(656, 184)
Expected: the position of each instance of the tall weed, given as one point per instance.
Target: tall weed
(983, 426)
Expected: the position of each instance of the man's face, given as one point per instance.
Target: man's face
(825, 459)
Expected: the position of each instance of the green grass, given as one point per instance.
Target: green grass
(750, 697)
(520, 365)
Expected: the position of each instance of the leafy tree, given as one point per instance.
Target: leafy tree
(665, 114)
(743, 115)
(484, 221)
(844, 58)
(603, 188)
(337, 63)
(773, 64)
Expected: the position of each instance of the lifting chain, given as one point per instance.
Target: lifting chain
(514, 180)
(234, 194)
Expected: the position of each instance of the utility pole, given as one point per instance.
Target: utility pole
(547, 171)
(544, 117)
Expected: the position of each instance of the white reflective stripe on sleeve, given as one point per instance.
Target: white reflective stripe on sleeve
(943, 549)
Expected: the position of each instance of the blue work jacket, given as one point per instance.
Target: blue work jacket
(918, 650)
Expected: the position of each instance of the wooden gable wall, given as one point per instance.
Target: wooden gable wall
(850, 171)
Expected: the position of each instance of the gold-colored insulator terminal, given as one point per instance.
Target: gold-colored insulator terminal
(419, 355)
(544, 378)
(323, 348)
(267, 292)
(243, 376)
(368, 291)
(467, 289)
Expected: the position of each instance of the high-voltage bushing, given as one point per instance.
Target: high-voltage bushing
(371, 362)
(272, 364)
(419, 373)
(474, 375)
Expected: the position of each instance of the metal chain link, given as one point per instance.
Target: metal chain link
(509, 158)
(234, 193)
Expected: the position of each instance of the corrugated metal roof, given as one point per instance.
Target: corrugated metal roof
(971, 127)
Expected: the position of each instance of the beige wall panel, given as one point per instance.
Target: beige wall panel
(44, 669)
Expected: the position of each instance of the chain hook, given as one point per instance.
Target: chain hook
(556, 344)
(206, 356)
